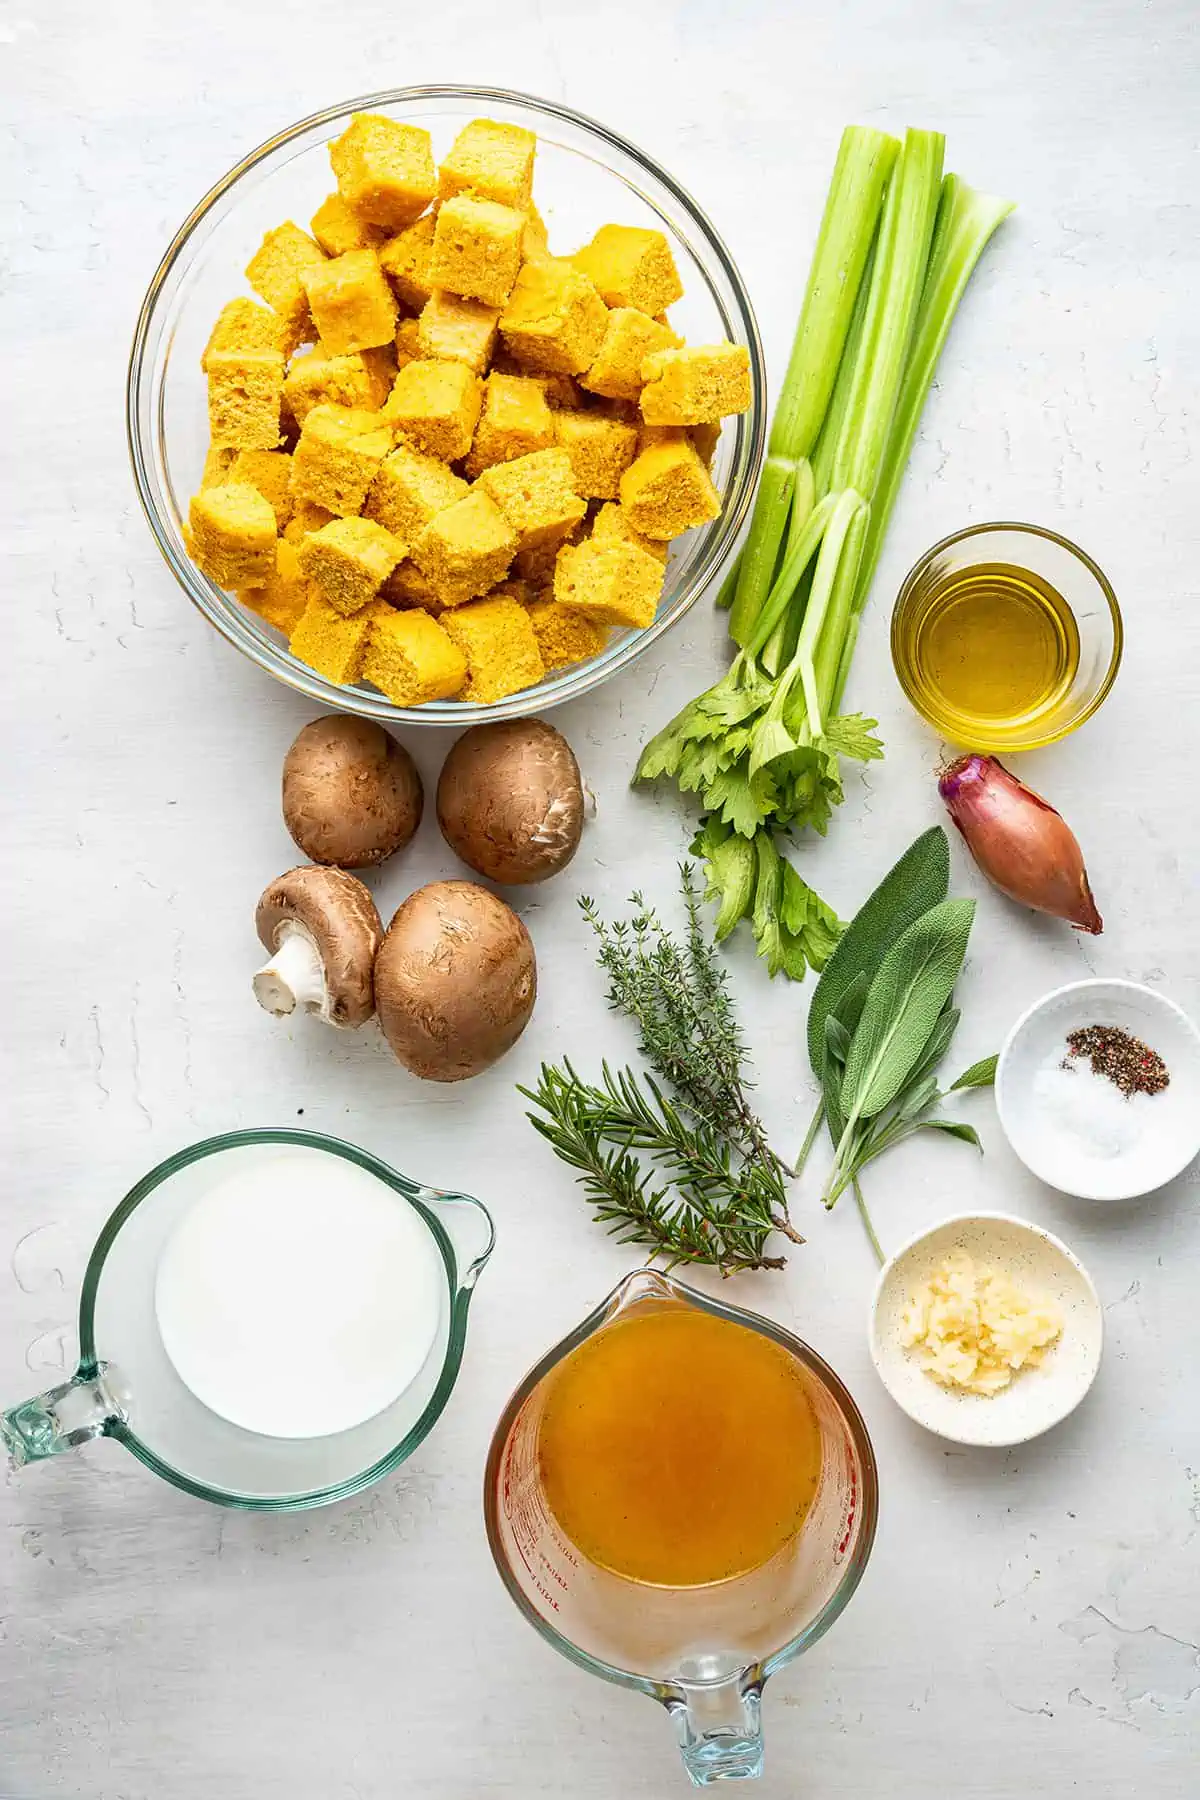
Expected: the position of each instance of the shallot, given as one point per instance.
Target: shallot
(1022, 845)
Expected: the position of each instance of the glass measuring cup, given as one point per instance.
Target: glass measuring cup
(704, 1652)
(127, 1388)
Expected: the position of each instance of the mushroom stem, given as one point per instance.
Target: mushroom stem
(294, 977)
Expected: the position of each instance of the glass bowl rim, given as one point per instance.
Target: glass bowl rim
(566, 685)
(1038, 741)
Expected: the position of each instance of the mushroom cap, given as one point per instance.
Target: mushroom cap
(510, 800)
(455, 981)
(351, 794)
(343, 921)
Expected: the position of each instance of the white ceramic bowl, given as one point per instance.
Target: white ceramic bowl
(1036, 1398)
(1095, 1143)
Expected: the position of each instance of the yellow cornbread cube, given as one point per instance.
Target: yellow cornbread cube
(536, 566)
(631, 266)
(477, 248)
(614, 582)
(406, 586)
(405, 260)
(535, 245)
(491, 161)
(330, 642)
(706, 437)
(629, 338)
(275, 273)
(338, 228)
(465, 549)
(348, 560)
(408, 343)
(564, 634)
(337, 457)
(381, 365)
(613, 522)
(554, 320)
(412, 660)
(516, 420)
(284, 595)
(667, 489)
(695, 384)
(232, 535)
(456, 330)
(319, 379)
(245, 392)
(305, 518)
(537, 496)
(600, 450)
(384, 170)
(352, 305)
(270, 471)
(410, 489)
(436, 406)
(497, 639)
(217, 464)
(245, 325)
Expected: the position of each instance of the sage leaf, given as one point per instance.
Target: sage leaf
(952, 1128)
(906, 997)
(980, 1074)
(848, 1010)
(917, 1097)
(939, 1042)
(837, 1040)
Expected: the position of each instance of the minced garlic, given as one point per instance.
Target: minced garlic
(971, 1327)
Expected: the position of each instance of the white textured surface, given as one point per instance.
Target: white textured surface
(1029, 1622)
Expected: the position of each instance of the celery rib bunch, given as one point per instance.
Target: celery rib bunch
(763, 748)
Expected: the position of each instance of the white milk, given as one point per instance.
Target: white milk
(300, 1297)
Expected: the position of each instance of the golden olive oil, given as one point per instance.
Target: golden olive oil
(985, 650)
(678, 1448)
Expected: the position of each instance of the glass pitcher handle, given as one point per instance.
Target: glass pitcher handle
(62, 1418)
(719, 1728)
(471, 1230)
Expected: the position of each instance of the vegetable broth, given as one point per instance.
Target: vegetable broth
(988, 648)
(678, 1449)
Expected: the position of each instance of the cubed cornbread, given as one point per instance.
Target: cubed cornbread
(284, 595)
(666, 489)
(436, 406)
(614, 582)
(536, 566)
(405, 260)
(407, 586)
(491, 161)
(706, 437)
(382, 367)
(456, 330)
(496, 636)
(631, 266)
(408, 343)
(477, 248)
(612, 522)
(384, 170)
(466, 549)
(337, 457)
(338, 228)
(330, 642)
(600, 450)
(276, 271)
(217, 464)
(232, 535)
(348, 560)
(270, 471)
(318, 379)
(245, 325)
(245, 393)
(410, 489)
(516, 420)
(629, 338)
(411, 659)
(535, 244)
(305, 518)
(554, 320)
(693, 384)
(352, 305)
(564, 634)
(537, 496)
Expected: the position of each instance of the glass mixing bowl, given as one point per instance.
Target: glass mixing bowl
(586, 176)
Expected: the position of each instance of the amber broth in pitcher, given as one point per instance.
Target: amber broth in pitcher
(678, 1448)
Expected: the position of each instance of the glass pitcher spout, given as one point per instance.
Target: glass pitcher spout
(73, 1413)
(719, 1728)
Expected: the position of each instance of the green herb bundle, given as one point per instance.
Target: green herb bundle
(763, 748)
(883, 1016)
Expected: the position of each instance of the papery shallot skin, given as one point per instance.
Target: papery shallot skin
(1023, 846)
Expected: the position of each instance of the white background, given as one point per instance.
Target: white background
(1029, 1622)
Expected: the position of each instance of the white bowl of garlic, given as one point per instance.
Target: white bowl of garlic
(986, 1329)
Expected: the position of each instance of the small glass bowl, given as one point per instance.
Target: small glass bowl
(1072, 574)
(586, 176)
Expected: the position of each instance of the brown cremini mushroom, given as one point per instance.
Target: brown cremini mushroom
(510, 802)
(455, 981)
(323, 932)
(351, 794)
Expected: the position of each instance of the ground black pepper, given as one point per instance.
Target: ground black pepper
(1128, 1063)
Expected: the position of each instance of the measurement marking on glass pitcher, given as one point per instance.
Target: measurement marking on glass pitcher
(528, 1519)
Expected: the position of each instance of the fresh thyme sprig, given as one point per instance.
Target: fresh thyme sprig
(681, 1163)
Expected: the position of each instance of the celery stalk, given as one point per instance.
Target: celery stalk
(757, 570)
